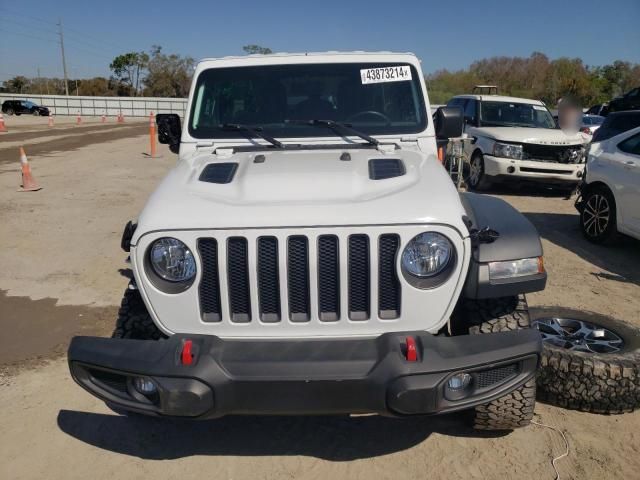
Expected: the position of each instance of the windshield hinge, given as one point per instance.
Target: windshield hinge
(409, 139)
(223, 152)
(387, 147)
(204, 144)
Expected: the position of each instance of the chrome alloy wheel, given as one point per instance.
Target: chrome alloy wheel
(475, 170)
(596, 215)
(578, 335)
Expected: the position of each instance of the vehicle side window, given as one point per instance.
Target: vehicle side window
(470, 111)
(631, 145)
(455, 102)
(634, 93)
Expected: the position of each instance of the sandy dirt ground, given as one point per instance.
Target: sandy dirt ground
(63, 273)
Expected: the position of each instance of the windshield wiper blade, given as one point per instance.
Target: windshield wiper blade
(253, 132)
(339, 128)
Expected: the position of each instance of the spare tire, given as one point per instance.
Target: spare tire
(590, 362)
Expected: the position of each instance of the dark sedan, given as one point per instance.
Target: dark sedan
(18, 107)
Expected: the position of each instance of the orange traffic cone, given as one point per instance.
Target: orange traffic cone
(120, 118)
(152, 134)
(28, 182)
(3, 127)
(104, 118)
(50, 120)
(78, 119)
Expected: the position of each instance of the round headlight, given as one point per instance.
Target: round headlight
(427, 254)
(172, 260)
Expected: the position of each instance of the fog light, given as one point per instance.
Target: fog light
(145, 385)
(511, 169)
(459, 381)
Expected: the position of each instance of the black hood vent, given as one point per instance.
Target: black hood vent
(218, 172)
(382, 168)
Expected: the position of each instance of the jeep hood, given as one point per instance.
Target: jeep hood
(542, 136)
(302, 188)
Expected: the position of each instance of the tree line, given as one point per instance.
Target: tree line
(538, 77)
(157, 74)
(149, 74)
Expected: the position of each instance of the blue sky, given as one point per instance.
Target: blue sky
(444, 34)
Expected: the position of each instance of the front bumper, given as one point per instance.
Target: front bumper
(304, 376)
(548, 172)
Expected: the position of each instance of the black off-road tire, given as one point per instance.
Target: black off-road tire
(134, 320)
(606, 383)
(509, 412)
(493, 315)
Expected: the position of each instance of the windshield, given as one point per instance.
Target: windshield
(592, 120)
(380, 99)
(510, 114)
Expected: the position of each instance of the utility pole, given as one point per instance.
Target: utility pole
(64, 62)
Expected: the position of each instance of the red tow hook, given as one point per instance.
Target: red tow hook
(186, 356)
(412, 350)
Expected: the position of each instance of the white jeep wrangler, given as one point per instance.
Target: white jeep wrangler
(308, 254)
(516, 139)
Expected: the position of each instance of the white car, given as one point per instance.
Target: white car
(308, 254)
(609, 199)
(590, 123)
(517, 139)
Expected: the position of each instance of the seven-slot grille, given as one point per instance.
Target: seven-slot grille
(304, 267)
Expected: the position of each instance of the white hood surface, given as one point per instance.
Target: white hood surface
(540, 136)
(303, 188)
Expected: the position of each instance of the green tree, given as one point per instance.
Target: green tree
(129, 67)
(18, 84)
(256, 49)
(168, 75)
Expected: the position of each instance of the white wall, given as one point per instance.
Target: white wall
(110, 106)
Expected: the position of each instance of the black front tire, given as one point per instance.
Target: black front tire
(134, 320)
(493, 315)
(477, 179)
(598, 215)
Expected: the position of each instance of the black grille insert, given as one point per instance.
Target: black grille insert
(359, 277)
(112, 381)
(298, 278)
(268, 279)
(488, 378)
(238, 274)
(209, 288)
(328, 278)
(218, 172)
(383, 168)
(388, 283)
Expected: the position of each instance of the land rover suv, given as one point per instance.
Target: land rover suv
(308, 254)
(516, 139)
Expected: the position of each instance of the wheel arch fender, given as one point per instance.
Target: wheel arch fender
(518, 239)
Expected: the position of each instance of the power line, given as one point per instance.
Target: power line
(48, 40)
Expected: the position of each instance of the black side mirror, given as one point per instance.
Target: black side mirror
(448, 122)
(169, 130)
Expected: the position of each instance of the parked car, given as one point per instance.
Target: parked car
(591, 123)
(336, 252)
(617, 123)
(601, 109)
(609, 200)
(517, 139)
(18, 107)
(628, 101)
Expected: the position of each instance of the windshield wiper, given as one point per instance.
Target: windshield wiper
(252, 133)
(339, 128)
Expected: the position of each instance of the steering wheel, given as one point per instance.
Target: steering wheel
(374, 113)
